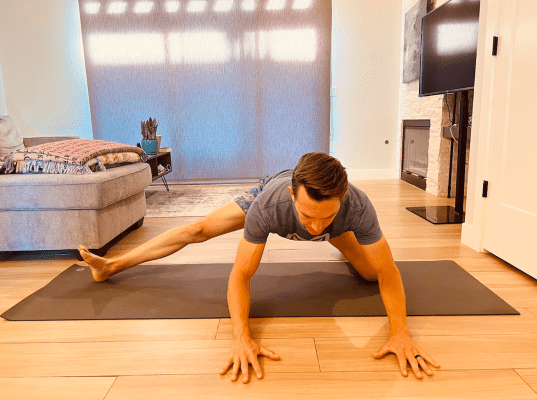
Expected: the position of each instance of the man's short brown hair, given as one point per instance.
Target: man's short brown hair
(321, 175)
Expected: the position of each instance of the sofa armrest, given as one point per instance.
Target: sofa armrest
(37, 140)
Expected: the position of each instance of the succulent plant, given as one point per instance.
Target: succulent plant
(149, 129)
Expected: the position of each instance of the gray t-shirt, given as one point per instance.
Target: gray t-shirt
(273, 211)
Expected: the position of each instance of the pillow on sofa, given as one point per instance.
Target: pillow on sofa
(10, 136)
(112, 160)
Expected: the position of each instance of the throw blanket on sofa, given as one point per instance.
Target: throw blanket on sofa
(77, 157)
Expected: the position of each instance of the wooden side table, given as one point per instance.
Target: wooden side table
(163, 158)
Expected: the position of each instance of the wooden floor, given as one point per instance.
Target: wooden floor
(482, 357)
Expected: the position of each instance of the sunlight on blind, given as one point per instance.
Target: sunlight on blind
(199, 47)
(127, 49)
(276, 4)
(116, 7)
(302, 4)
(248, 5)
(248, 45)
(172, 6)
(223, 5)
(92, 8)
(288, 45)
(196, 6)
(193, 6)
(202, 47)
(143, 7)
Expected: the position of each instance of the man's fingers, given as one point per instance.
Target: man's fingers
(382, 352)
(268, 353)
(226, 366)
(244, 369)
(236, 366)
(414, 364)
(402, 363)
(426, 357)
(257, 368)
(424, 366)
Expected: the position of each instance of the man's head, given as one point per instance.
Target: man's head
(319, 183)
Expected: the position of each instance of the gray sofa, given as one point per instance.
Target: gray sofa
(59, 212)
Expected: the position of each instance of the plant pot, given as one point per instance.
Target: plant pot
(150, 146)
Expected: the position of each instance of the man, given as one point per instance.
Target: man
(312, 202)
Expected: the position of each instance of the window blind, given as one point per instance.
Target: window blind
(240, 88)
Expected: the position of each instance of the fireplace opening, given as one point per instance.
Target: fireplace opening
(415, 157)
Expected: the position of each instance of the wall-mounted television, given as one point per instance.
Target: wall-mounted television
(449, 48)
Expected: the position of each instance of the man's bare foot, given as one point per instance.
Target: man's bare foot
(100, 267)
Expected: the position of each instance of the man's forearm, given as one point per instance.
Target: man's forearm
(238, 298)
(393, 296)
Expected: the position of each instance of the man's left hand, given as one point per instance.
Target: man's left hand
(405, 349)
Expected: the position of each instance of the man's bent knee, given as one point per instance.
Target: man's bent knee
(371, 277)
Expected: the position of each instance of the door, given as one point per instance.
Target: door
(511, 216)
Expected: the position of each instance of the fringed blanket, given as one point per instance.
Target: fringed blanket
(77, 157)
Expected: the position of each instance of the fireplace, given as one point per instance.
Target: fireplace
(415, 152)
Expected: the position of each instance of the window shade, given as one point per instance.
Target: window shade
(240, 88)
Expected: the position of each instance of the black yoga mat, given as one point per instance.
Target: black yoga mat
(318, 289)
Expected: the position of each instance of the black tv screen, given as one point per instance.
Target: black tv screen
(449, 48)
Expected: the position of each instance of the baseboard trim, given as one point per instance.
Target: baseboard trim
(368, 174)
(470, 238)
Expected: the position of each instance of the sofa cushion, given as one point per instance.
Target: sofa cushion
(58, 192)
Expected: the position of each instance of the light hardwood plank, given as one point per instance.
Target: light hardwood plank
(39, 269)
(487, 263)
(55, 388)
(107, 331)
(467, 385)
(507, 279)
(518, 297)
(529, 376)
(431, 253)
(144, 358)
(533, 311)
(378, 326)
(451, 352)
(424, 242)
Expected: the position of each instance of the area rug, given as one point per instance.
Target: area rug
(319, 289)
(190, 201)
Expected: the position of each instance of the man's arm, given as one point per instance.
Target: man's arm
(375, 262)
(244, 350)
(379, 257)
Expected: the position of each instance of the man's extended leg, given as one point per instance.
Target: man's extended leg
(228, 218)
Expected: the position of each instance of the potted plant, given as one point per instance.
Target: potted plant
(149, 133)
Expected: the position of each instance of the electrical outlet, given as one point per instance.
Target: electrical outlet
(333, 91)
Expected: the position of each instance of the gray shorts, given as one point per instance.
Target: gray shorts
(245, 200)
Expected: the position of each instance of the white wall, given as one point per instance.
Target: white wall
(366, 64)
(43, 67)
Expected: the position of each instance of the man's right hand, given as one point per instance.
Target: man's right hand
(244, 351)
